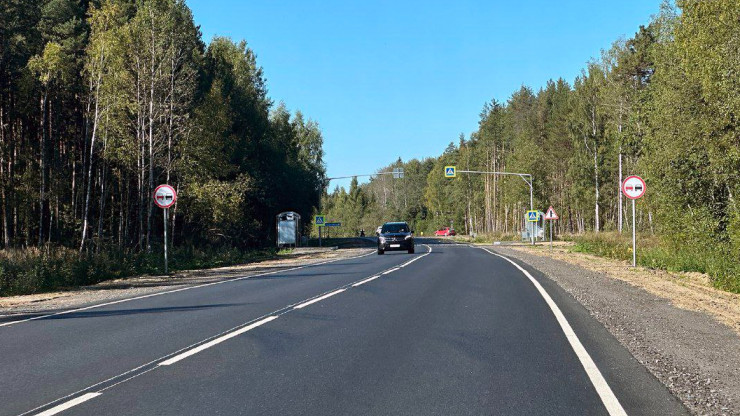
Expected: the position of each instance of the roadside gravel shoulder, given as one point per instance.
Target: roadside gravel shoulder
(667, 322)
(112, 290)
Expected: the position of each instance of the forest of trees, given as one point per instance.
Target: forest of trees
(101, 101)
(664, 104)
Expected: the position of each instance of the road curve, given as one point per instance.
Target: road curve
(452, 329)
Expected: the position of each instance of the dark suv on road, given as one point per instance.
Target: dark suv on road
(395, 236)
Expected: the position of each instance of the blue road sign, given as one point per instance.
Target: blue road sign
(450, 172)
(333, 224)
(319, 220)
(533, 216)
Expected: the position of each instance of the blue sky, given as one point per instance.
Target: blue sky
(389, 79)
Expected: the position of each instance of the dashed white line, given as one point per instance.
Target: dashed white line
(66, 405)
(597, 379)
(34, 318)
(189, 352)
(319, 299)
(216, 341)
(362, 282)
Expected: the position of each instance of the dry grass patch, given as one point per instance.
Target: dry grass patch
(687, 290)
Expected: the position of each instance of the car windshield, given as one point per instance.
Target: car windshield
(395, 228)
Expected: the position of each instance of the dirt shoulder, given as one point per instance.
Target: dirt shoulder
(678, 326)
(112, 290)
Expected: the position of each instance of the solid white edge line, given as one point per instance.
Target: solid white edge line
(362, 282)
(66, 405)
(216, 341)
(176, 290)
(319, 299)
(597, 379)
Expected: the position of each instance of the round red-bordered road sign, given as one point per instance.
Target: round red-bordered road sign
(633, 187)
(164, 196)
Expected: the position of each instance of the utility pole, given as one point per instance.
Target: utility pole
(526, 177)
(398, 173)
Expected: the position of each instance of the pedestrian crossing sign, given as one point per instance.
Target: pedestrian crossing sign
(533, 216)
(450, 172)
(319, 220)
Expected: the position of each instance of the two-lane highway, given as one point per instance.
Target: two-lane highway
(450, 330)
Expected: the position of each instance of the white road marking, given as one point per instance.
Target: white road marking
(66, 405)
(176, 290)
(216, 341)
(319, 299)
(188, 348)
(362, 282)
(597, 379)
(409, 262)
(391, 270)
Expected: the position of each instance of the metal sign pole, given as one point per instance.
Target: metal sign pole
(531, 205)
(634, 238)
(634, 187)
(320, 236)
(164, 197)
(551, 236)
(533, 229)
(166, 212)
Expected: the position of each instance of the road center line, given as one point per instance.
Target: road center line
(176, 290)
(319, 299)
(597, 379)
(193, 349)
(216, 341)
(362, 282)
(66, 405)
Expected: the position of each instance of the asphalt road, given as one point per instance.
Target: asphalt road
(449, 330)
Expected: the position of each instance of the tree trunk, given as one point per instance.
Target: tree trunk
(42, 166)
(3, 180)
(619, 191)
(596, 167)
(151, 148)
(96, 119)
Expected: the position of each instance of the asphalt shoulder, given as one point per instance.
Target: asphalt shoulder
(691, 354)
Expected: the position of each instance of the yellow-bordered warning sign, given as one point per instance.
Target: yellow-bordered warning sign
(533, 216)
(319, 220)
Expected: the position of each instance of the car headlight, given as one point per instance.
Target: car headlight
(382, 239)
(408, 237)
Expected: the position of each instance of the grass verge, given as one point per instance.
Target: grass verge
(30, 271)
(652, 252)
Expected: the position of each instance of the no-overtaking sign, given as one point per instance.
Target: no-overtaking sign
(164, 196)
(633, 187)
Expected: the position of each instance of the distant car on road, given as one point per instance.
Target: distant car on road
(445, 232)
(395, 236)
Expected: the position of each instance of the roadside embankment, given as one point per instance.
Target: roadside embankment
(682, 329)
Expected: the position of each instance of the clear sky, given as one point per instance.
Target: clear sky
(389, 79)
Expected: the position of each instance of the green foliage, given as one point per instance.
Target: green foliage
(53, 268)
(100, 102)
(657, 253)
(662, 104)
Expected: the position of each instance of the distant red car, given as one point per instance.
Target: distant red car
(445, 232)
